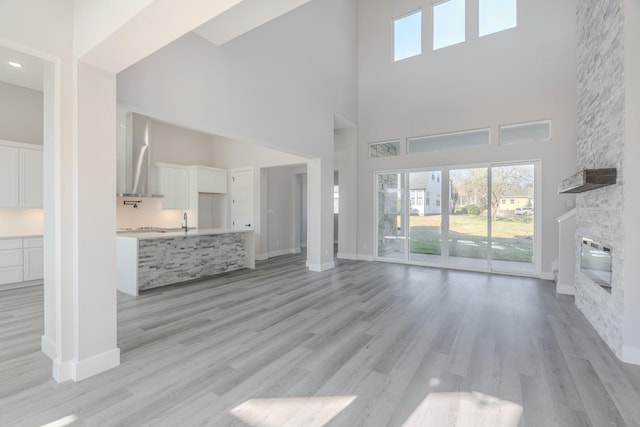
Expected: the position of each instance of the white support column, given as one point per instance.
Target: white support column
(95, 307)
(320, 214)
(80, 284)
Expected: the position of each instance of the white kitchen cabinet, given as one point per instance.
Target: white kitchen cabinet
(10, 261)
(33, 259)
(31, 178)
(21, 175)
(9, 177)
(210, 180)
(21, 261)
(173, 184)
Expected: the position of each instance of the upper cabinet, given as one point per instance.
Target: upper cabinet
(210, 180)
(21, 175)
(31, 178)
(173, 184)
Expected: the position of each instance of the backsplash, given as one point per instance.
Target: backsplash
(21, 222)
(149, 213)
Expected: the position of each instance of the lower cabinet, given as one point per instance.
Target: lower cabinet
(33, 260)
(21, 260)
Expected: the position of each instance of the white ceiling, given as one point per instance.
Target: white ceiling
(244, 17)
(29, 76)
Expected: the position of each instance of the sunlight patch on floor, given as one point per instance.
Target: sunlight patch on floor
(315, 411)
(62, 422)
(464, 410)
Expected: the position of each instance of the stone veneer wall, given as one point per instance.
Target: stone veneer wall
(601, 103)
(171, 260)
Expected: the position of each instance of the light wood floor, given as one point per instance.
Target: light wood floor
(364, 344)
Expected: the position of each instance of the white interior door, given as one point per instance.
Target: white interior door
(242, 198)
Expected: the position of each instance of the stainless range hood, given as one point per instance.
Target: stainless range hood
(588, 179)
(134, 168)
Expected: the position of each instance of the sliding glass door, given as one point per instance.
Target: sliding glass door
(513, 218)
(479, 218)
(392, 236)
(425, 216)
(468, 224)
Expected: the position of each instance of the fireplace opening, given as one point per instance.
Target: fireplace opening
(595, 262)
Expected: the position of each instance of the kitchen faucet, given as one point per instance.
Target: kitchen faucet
(184, 222)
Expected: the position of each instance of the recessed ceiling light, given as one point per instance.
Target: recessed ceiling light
(15, 64)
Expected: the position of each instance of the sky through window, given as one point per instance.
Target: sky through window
(407, 37)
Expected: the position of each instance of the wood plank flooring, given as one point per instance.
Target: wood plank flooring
(369, 344)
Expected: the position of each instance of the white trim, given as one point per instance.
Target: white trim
(631, 355)
(262, 257)
(62, 371)
(547, 275)
(283, 252)
(342, 255)
(565, 289)
(322, 267)
(48, 347)
(81, 369)
(365, 257)
(567, 215)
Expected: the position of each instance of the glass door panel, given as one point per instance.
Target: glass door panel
(391, 216)
(468, 223)
(512, 218)
(425, 216)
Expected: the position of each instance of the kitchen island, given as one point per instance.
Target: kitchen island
(151, 259)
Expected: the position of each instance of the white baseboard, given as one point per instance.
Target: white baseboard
(631, 355)
(48, 347)
(321, 267)
(288, 251)
(547, 275)
(362, 257)
(565, 289)
(342, 255)
(95, 364)
(62, 371)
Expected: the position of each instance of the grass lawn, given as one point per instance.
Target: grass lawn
(512, 238)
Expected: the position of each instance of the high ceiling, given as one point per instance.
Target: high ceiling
(244, 17)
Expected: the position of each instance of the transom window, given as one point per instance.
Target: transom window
(496, 15)
(407, 36)
(448, 23)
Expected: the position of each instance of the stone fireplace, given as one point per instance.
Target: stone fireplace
(607, 97)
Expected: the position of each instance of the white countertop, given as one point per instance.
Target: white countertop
(21, 236)
(172, 234)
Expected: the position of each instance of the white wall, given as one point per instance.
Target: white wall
(239, 154)
(345, 159)
(282, 211)
(264, 87)
(21, 118)
(174, 144)
(519, 75)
